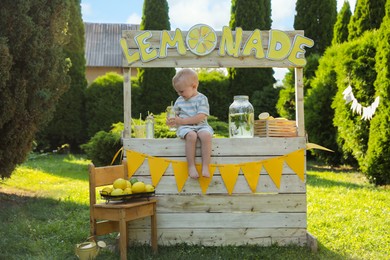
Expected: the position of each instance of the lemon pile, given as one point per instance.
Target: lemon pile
(123, 187)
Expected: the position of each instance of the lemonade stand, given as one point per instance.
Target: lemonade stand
(257, 190)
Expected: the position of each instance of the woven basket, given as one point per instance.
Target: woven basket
(275, 128)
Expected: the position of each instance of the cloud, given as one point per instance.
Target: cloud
(185, 14)
(283, 12)
(134, 19)
(86, 9)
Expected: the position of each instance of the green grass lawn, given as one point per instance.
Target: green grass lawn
(44, 212)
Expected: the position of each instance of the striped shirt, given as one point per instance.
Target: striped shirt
(193, 106)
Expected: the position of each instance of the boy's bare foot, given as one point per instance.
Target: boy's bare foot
(205, 172)
(193, 173)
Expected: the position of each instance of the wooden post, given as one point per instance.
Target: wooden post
(299, 114)
(127, 102)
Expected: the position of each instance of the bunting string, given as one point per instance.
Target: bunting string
(229, 172)
(366, 112)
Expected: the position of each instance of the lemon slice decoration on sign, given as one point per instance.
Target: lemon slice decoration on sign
(201, 39)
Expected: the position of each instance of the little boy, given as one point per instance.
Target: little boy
(192, 110)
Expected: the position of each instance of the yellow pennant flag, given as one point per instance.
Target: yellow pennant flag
(229, 174)
(296, 161)
(204, 182)
(316, 146)
(157, 167)
(180, 170)
(251, 172)
(274, 167)
(134, 161)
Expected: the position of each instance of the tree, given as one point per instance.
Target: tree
(33, 35)
(317, 18)
(254, 82)
(355, 68)
(340, 29)
(156, 83)
(368, 15)
(377, 163)
(68, 123)
(319, 113)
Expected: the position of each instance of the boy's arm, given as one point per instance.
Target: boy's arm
(193, 120)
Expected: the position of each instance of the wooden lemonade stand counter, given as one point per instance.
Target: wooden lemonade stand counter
(257, 191)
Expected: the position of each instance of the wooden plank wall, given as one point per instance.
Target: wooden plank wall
(269, 216)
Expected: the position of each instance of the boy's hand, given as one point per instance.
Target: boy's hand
(171, 121)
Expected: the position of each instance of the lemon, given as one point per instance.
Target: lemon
(138, 187)
(106, 191)
(149, 188)
(128, 184)
(127, 191)
(264, 115)
(117, 192)
(201, 39)
(120, 184)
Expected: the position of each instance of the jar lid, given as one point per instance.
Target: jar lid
(241, 97)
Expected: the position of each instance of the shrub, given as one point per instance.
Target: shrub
(215, 85)
(104, 103)
(102, 147)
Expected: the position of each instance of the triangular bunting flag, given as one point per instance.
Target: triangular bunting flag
(134, 161)
(205, 182)
(157, 167)
(316, 146)
(229, 174)
(296, 161)
(251, 172)
(274, 167)
(180, 170)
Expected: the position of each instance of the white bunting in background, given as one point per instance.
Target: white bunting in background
(366, 113)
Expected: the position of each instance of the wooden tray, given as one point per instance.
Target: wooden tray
(124, 197)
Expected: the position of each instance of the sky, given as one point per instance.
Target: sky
(183, 14)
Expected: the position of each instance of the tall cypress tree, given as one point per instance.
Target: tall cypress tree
(317, 18)
(68, 123)
(33, 33)
(340, 29)
(156, 83)
(368, 15)
(377, 163)
(254, 82)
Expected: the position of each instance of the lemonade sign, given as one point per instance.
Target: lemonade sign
(201, 40)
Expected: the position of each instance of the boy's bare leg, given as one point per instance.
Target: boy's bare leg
(205, 139)
(190, 154)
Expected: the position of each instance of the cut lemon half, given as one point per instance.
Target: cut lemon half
(264, 115)
(201, 39)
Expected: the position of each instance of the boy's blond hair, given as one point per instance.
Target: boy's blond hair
(187, 74)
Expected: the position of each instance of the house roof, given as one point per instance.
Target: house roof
(102, 48)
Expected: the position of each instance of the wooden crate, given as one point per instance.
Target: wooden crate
(275, 128)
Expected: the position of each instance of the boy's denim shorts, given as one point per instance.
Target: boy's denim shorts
(184, 129)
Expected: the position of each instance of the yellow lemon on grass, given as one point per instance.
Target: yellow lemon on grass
(117, 192)
(138, 187)
(201, 39)
(120, 184)
(127, 191)
(149, 188)
(106, 191)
